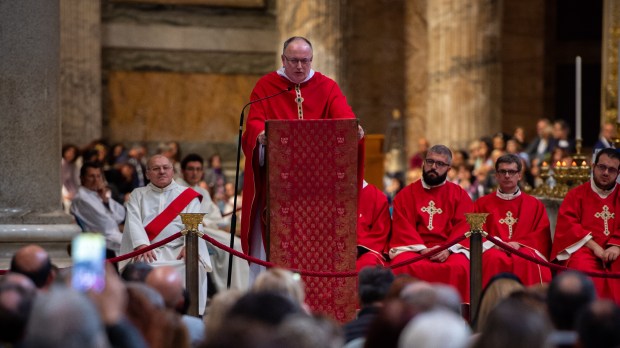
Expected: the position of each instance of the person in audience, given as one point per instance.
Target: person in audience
(69, 174)
(437, 328)
(569, 292)
(219, 305)
(561, 136)
(517, 219)
(192, 170)
(34, 262)
(427, 214)
(303, 331)
(514, 324)
(540, 147)
(17, 293)
(373, 285)
(586, 237)
(373, 227)
(497, 289)
(153, 215)
(94, 209)
(598, 325)
(282, 281)
(605, 139)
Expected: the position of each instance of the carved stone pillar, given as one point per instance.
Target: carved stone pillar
(30, 209)
(611, 41)
(319, 22)
(464, 70)
(416, 73)
(80, 73)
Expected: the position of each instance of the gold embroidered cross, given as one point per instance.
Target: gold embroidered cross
(605, 215)
(431, 210)
(299, 100)
(509, 220)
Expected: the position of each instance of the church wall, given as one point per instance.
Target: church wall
(182, 72)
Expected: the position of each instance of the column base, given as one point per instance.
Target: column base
(55, 238)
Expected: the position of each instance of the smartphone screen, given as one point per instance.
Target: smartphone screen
(88, 254)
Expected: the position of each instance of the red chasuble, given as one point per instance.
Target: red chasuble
(425, 218)
(523, 220)
(583, 212)
(321, 99)
(373, 227)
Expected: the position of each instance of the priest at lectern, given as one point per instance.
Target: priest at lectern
(295, 91)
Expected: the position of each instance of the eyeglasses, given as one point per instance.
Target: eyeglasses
(508, 172)
(429, 162)
(157, 169)
(603, 168)
(295, 61)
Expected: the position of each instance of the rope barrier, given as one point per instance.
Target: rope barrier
(429, 254)
(548, 264)
(143, 250)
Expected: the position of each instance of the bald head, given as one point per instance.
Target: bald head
(33, 262)
(159, 171)
(168, 282)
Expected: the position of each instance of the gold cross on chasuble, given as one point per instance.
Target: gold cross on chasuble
(510, 221)
(299, 100)
(605, 215)
(431, 210)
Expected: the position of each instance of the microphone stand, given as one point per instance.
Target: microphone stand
(233, 219)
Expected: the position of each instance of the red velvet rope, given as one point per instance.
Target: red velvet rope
(429, 254)
(326, 274)
(143, 250)
(548, 264)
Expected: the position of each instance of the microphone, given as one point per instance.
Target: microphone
(233, 218)
(259, 100)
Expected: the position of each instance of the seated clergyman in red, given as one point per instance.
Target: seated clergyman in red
(586, 234)
(373, 227)
(517, 219)
(428, 213)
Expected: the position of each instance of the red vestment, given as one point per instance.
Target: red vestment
(373, 227)
(585, 214)
(322, 99)
(413, 230)
(527, 218)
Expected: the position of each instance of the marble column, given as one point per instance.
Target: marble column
(80, 72)
(610, 61)
(30, 209)
(464, 70)
(416, 73)
(320, 22)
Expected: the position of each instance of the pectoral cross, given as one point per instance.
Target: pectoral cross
(299, 100)
(509, 220)
(605, 215)
(431, 210)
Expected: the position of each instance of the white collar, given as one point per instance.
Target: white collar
(172, 185)
(602, 193)
(428, 187)
(283, 74)
(365, 184)
(508, 196)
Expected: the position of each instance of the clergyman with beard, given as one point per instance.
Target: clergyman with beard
(586, 236)
(427, 214)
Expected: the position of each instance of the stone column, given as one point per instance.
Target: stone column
(30, 209)
(610, 75)
(319, 22)
(80, 73)
(464, 82)
(416, 73)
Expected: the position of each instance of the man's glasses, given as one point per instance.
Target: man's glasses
(508, 172)
(429, 162)
(603, 168)
(295, 61)
(157, 169)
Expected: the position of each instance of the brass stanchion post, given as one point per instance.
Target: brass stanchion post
(191, 232)
(475, 221)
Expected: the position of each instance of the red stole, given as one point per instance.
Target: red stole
(154, 228)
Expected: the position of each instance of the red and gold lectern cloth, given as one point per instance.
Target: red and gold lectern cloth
(312, 172)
